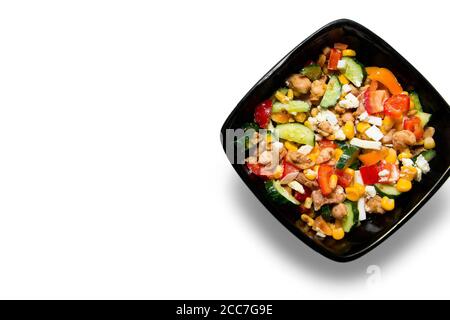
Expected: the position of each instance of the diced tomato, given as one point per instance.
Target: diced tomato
(302, 196)
(344, 179)
(324, 143)
(255, 168)
(263, 112)
(335, 56)
(373, 100)
(288, 168)
(325, 171)
(397, 105)
(414, 125)
(369, 174)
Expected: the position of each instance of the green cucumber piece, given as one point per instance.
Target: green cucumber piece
(428, 155)
(312, 72)
(332, 93)
(295, 132)
(387, 190)
(350, 153)
(291, 106)
(415, 99)
(278, 194)
(424, 117)
(245, 139)
(351, 218)
(354, 71)
(325, 212)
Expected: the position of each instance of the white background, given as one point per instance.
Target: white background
(113, 183)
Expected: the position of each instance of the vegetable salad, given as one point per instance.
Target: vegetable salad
(341, 142)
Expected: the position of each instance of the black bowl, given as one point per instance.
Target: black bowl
(373, 51)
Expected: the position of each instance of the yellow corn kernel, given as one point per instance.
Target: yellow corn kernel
(316, 168)
(359, 188)
(387, 123)
(291, 146)
(300, 117)
(307, 219)
(343, 79)
(310, 174)
(405, 155)
(333, 181)
(331, 137)
(314, 154)
(351, 194)
(387, 204)
(361, 127)
(280, 117)
(350, 171)
(308, 203)
(337, 153)
(314, 112)
(391, 156)
(278, 172)
(348, 53)
(308, 124)
(338, 233)
(349, 130)
(268, 138)
(290, 94)
(428, 143)
(281, 97)
(403, 185)
(408, 172)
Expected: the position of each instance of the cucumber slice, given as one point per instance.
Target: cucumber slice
(291, 106)
(278, 194)
(332, 93)
(244, 141)
(428, 155)
(354, 71)
(312, 72)
(351, 218)
(415, 99)
(424, 117)
(325, 212)
(387, 190)
(295, 132)
(350, 153)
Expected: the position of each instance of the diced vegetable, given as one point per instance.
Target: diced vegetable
(312, 72)
(344, 178)
(424, 117)
(397, 105)
(245, 140)
(354, 71)
(351, 218)
(332, 93)
(296, 132)
(373, 101)
(372, 157)
(262, 113)
(335, 56)
(386, 77)
(278, 194)
(350, 153)
(387, 190)
(369, 174)
(428, 155)
(414, 124)
(325, 212)
(291, 106)
(324, 174)
(416, 101)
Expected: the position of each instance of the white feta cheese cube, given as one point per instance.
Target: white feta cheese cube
(342, 64)
(340, 135)
(296, 186)
(366, 144)
(346, 88)
(418, 175)
(407, 162)
(363, 116)
(422, 164)
(362, 209)
(305, 150)
(370, 191)
(349, 102)
(376, 121)
(374, 133)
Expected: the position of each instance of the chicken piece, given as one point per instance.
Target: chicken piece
(325, 128)
(387, 138)
(373, 205)
(301, 161)
(402, 139)
(325, 155)
(299, 84)
(318, 88)
(339, 211)
(312, 184)
(348, 116)
(337, 196)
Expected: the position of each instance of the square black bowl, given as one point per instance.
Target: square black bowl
(372, 51)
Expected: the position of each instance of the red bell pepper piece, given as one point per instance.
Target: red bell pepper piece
(414, 125)
(397, 105)
(302, 196)
(288, 168)
(263, 112)
(344, 179)
(324, 143)
(369, 174)
(325, 171)
(373, 101)
(335, 56)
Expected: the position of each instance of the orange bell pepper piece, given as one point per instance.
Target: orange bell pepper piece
(386, 77)
(372, 157)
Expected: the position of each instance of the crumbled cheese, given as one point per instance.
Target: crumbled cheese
(318, 137)
(277, 145)
(407, 162)
(383, 173)
(418, 175)
(363, 116)
(377, 121)
(305, 149)
(366, 144)
(313, 121)
(340, 135)
(358, 177)
(374, 133)
(346, 88)
(342, 64)
(422, 164)
(362, 209)
(349, 102)
(320, 234)
(265, 157)
(327, 115)
(296, 186)
(370, 191)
